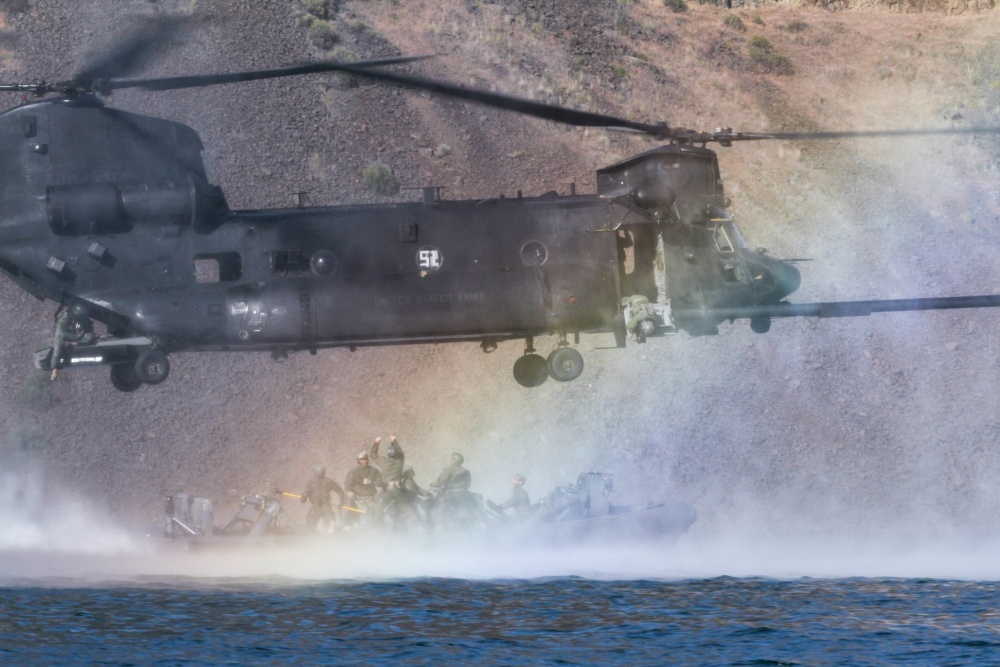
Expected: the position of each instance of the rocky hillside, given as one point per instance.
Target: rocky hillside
(871, 424)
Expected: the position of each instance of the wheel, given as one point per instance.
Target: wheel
(152, 367)
(530, 370)
(760, 324)
(123, 377)
(565, 364)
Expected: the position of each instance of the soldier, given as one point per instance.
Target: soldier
(391, 466)
(411, 491)
(362, 484)
(318, 494)
(452, 505)
(454, 480)
(409, 510)
(642, 317)
(518, 502)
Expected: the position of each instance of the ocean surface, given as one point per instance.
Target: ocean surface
(370, 606)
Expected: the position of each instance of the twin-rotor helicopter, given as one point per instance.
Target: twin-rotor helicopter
(112, 216)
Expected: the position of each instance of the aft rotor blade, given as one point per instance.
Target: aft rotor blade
(843, 308)
(516, 104)
(132, 49)
(201, 81)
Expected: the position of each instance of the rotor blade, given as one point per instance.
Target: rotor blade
(843, 308)
(725, 136)
(516, 104)
(200, 81)
(132, 49)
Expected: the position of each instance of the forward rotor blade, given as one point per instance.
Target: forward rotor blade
(843, 308)
(725, 136)
(516, 104)
(201, 81)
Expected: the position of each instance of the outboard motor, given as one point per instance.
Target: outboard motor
(596, 488)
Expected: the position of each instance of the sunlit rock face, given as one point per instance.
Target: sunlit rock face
(869, 426)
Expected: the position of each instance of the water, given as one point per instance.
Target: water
(75, 589)
(154, 608)
(720, 621)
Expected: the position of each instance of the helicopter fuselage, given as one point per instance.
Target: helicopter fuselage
(111, 215)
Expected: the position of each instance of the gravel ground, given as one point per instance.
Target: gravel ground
(875, 425)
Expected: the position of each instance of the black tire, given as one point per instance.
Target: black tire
(565, 364)
(760, 324)
(531, 370)
(123, 378)
(152, 367)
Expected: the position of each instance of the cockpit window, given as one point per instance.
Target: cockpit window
(722, 240)
(728, 237)
(734, 235)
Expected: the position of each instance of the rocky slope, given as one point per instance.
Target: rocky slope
(874, 424)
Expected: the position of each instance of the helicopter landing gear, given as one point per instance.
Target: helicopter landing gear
(530, 370)
(760, 324)
(123, 377)
(152, 367)
(565, 364)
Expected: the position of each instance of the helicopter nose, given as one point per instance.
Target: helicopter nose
(786, 278)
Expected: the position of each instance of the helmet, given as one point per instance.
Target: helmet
(407, 472)
(520, 478)
(319, 470)
(394, 451)
(362, 456)
(457, 458)
(637, 299)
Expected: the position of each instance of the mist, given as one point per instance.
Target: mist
(51, 536)
(829, 448)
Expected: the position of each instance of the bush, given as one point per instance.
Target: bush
(321, 9)
(795, 26)
(756, 19)
(322, 36)
(380, 179)
(676, 5)
(734, 22)
(763, 55)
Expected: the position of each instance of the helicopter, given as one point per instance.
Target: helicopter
(111, 215)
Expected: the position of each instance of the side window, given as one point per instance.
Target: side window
(288, 261)
(733, 272)
(722, 240)
(218, 267)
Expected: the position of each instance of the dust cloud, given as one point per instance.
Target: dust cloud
(38, 518)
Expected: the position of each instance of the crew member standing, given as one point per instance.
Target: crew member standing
(452, 507)
(318, 492)
(362, 485)
(391, 467)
